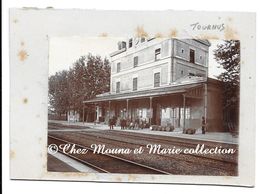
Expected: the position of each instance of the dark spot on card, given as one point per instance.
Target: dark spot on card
(230, 19)
(25, 100)
(173, 32)
(158, 35)
(15, 21)
(230, 33)
(12, 154)
(22, 54)
(103, 34)
(140, 32)
(118, 179)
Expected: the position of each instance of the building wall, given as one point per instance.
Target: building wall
(145, 52)
(181, 65)
(174, 63)
(214, 106)
(147, 66)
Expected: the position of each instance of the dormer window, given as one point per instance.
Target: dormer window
(130, 43)
(121, 45)
(142, 39)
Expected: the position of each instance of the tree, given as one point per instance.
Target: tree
(228, 56)
(88, 76)
(59, 92)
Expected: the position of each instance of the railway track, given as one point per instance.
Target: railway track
(185, 163)
(168, 139)
(156, 140)
(105, 163)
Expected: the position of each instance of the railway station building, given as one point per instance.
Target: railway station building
(161, 82)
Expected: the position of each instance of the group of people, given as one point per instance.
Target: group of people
(138, 123)
(127, 123)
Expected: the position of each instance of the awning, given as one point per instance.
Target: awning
(176, 89)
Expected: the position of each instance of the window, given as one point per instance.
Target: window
(130, 43)
(192, 56)
(142, 39)
(187, 114)
(176, 113)
(157, 79)
(135, 84)
(182, 113)
(182, 51)
(157, 54)
(117, 87)
(118, 67)
(123, 44)
(135, 61)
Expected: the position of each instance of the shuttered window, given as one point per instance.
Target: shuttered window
(157, 79)
(135, 84)
(135, 61)
(117, 87)
(118, 67)
(192, 56)
(157, 54)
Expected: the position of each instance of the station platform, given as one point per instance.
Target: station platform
(221, 137)
(57, 165)
(61, 163)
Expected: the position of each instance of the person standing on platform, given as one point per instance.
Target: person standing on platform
(203, 125)
(110, 122)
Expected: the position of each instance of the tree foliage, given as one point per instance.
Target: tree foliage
(89, 76)
(227, 55)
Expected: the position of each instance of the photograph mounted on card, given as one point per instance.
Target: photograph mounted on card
(121, 100)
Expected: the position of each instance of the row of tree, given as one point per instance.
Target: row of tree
(89, 76)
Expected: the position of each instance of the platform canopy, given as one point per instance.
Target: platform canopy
(169, 90)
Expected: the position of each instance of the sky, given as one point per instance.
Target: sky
(64, 51)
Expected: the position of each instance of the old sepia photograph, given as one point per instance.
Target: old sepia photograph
(148, 97)
(159, 97)
(144, 104)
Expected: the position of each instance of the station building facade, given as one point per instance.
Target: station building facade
(161, 82)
